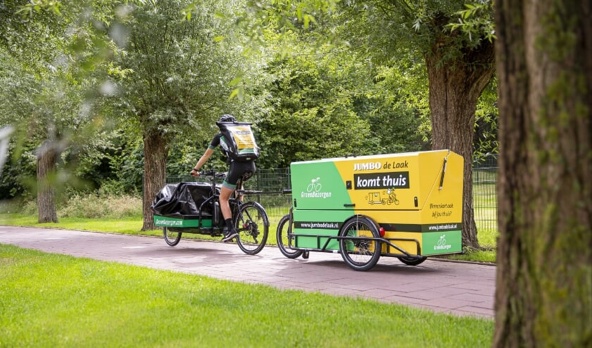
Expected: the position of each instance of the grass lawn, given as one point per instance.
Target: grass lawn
(50, 300)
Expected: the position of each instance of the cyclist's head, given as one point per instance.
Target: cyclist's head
(226, 118)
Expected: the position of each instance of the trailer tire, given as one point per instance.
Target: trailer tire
(283, 238)
(412, 260)
(360, 254)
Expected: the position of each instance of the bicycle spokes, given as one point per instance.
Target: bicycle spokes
(253, 226)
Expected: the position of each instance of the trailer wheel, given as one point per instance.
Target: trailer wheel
(359, 253)
(412, 260)
(284, 239)
(172, 238)
(305, 254)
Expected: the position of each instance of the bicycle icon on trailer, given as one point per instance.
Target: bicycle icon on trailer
(314, 186)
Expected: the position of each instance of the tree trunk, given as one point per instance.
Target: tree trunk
(454, 90)
(47, 157)
(155, 152)
(544, 272)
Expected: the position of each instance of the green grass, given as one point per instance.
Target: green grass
(125, 225)
(484, 256)
(49, 300)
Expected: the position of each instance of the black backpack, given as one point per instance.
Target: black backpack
(238, 141)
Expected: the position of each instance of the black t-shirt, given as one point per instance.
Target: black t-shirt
(237, 170)
(216, 142)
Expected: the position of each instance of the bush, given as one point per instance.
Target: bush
(99, 206)
(11, 206)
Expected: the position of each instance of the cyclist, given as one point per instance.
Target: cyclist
(238, 172)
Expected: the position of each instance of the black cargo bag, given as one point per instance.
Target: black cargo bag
(183, 199)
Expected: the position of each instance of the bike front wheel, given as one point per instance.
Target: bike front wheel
(172, 238)
(252, 225)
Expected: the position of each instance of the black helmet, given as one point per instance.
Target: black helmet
(226, 118)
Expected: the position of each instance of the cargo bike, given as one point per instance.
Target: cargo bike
(194, 207)
(407, 206)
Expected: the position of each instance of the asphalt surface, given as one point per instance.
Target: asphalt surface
(465, 289)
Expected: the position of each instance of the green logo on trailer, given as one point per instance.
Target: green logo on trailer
(168, 222)
(442, 242)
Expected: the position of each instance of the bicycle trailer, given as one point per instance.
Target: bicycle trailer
(407, 205)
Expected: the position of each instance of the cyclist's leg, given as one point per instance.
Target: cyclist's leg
(228, 188)
(231, 183)
(225, 193)
(237, 174)
(229, 231)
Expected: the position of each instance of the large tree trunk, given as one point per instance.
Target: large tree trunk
(454, 90)
(47, 157)
(544, 273)
(155, 152)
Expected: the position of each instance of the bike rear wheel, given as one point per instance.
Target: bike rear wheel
(252, 225)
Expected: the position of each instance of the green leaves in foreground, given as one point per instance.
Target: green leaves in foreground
(49, 300)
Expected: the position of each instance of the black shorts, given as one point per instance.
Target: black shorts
(239, 171)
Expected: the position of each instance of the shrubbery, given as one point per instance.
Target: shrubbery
(85, 206)
(97, 206)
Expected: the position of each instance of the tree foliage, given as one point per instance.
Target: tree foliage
(55, 56)
(455, 44)
(327, 100)
(175, 77)
(312, 113)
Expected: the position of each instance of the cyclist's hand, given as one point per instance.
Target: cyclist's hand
(194, 173)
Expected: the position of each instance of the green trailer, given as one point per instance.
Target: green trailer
(406, 205)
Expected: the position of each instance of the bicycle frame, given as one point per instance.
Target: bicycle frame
(217, 218)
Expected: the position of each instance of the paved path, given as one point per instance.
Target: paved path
(450, 287)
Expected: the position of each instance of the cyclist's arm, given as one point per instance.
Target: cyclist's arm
(203, 159)
(206, 156)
